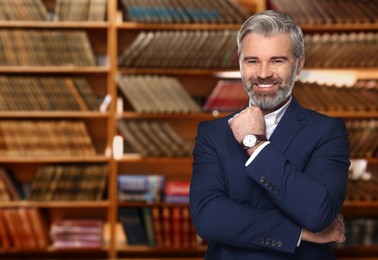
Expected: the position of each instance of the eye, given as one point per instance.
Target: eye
(251, 61)
(278, 61)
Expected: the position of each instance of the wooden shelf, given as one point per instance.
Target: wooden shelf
(56, 204)
(54, 24)
(53, 69)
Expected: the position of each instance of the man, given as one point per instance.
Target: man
(269, 181)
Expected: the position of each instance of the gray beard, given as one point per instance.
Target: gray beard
(266, 102)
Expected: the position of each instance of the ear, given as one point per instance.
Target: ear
(300, 65)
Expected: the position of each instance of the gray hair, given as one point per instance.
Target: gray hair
(271, 23)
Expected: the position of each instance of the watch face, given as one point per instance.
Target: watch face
(249, 140)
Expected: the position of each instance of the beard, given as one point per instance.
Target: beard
(270, 99)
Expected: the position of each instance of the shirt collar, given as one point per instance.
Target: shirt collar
(276, 116)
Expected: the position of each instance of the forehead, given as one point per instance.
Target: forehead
(258, 45)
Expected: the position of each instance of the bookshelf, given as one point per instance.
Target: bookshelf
(108, 39)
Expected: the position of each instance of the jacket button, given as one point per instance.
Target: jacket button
(262, 179)
(276, 190)
(262, 240)
(274, 243)
(279, 243)
(267, 241)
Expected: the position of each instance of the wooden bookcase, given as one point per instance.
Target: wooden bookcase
(108, 40)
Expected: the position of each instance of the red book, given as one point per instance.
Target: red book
(39, 227)
(177, 229)
(177, 188)
(158, 226)
(4, 233)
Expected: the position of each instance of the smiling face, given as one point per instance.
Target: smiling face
(268, 69)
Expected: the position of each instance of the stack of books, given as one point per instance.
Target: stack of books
(144, 188)
(69, 183)
(22, 229)
(31, 93)
(183, 11)
(153, 138)
(45, 138)
(65, 10)
(228, 95)
(176, 192)
(77, 233)
(156, 94)
(21, 47)
(23, 10)
(166, 226)
(83, 10)
(182, 49)
(347, 50)
(328, 12)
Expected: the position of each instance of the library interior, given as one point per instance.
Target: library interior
(134, 79)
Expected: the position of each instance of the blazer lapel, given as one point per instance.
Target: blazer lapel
(289, 126)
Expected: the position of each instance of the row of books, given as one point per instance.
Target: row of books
(22, 228)
(77, 233)
(183, 11)
(230, 95)
(362, 96)
(83, 182)
(345, 50)
(168, 226)
(45, 138)
(10, 187)
(23, 10)
(153, 138)
(80, 10)
(22, 47)
(156, 94)
(217, 50)
(65, 10)
(46, 93)
(182, 49)
(359, 232)
(363, 138)
(328, 11)
(151, 189)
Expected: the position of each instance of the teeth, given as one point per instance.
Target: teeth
(265, 85)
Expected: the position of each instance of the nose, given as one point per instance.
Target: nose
(265, 70)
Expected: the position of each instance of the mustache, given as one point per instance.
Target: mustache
(265, 81)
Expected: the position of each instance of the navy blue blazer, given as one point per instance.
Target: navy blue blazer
(257, 212)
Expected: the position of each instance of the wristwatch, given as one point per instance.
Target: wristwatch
(250, 140)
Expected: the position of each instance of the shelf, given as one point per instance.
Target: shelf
(55, 204)
(189, 26)
(54, 114)
(345, 27)
(53, 69)
(54, 24)
(55, 159)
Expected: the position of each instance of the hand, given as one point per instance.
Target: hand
(335, 232)
(249, 121)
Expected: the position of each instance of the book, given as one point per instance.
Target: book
(97, 10)
(77, 233)
(133, 225)
(146, 188)
(176, 192)
(12, 186)
(39, 227)
(5, 237)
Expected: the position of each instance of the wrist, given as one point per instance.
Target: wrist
(251, 150)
